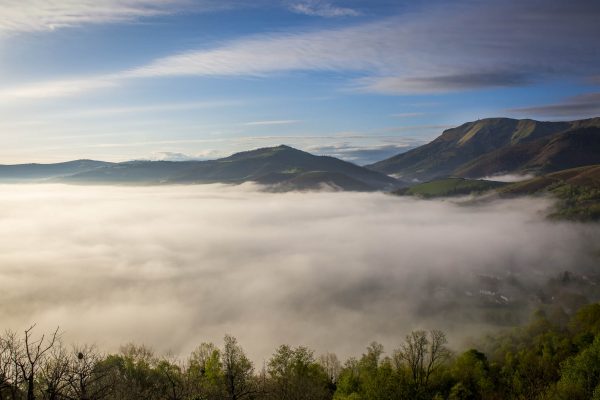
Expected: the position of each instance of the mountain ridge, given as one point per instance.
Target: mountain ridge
(279, 165)
(450, 153)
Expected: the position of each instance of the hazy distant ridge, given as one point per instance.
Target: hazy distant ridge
(283, 167)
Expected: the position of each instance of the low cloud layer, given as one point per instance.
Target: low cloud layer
(175, 266)
(508, 177)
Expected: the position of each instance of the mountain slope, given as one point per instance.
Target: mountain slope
(519, 141)
(37, 172)
(272, 165)
(318, 180)
(578, 191)
(253, 165)
(573, 148)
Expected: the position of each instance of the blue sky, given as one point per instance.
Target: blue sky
(173, 79)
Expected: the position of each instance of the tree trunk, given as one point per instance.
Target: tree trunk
(30, 383)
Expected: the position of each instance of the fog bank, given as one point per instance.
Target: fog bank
(175, 266)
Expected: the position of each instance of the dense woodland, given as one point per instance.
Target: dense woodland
(550, 358)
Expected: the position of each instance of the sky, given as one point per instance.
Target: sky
(118, 80)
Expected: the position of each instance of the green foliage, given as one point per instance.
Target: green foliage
(577, 191)
(580, 203)
(580, 375)
(472, 372)
(295, 374)
(545, 359)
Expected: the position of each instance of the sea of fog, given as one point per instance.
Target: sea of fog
(174, 266)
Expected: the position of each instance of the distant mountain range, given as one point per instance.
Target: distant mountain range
(483, 148)
(497, 146)
(39, 172)
(282, 167)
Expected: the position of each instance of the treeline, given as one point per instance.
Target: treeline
(551, 358)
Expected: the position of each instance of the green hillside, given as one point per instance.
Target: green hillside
(449, 187)
(577, 189)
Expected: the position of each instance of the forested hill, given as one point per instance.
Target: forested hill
(553, 357)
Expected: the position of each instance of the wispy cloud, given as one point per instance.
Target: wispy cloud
(583, 105)
(365, 154)
(175, 156)
(407, 115)
(463, 46)
(468, 45)
(59, 88)
(322, 8)
(150, 108)
(273, 122)
(44, 15)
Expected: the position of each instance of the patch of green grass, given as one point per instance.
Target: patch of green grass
(449, 187)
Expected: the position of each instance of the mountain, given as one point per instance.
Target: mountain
(40, 172)
(499, 146)
(282, 166)
(573, 148)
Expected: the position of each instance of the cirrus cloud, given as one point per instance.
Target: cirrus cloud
(467, 45)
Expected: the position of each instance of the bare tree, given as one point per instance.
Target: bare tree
(87, 377)
(423, 353)
(30, 355)
(10, 378)
(53, 372)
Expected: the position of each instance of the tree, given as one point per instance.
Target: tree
(580, 376)
(132, 373)
(88, 376)
(423, 353)
(296, 375)
(472, 372)
(237, 370)
(10, 377)
(332, 367)
(172, 382)
(30, 354)
(205, 371)
(53, 373)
